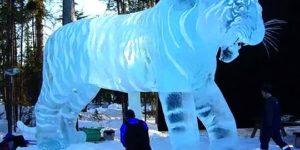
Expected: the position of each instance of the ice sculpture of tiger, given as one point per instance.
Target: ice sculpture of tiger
(170, 49)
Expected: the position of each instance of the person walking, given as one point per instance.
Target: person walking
(134, 133)
(271, 122)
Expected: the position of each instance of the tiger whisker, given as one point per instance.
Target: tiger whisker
(266, 47)
(272, 39)
(271, 28)
(274, 28)
(270, 24)
(275, 21)
(271, 31)
(269, 35)
(271, 43)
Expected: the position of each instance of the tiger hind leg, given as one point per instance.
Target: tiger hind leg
(180, 116)
(217, 118)
(69, 113)
(57, 116)
(134, 103)
(48, 121)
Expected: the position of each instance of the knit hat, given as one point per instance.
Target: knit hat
(129, 114)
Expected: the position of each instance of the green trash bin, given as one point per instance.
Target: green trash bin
(93, 134)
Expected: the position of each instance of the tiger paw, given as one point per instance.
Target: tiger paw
(52, 144)
(77, 137)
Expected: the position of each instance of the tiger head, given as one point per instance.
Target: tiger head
(230, 24)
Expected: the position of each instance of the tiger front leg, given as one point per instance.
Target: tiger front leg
(56, 116)
(58, 132)
(181, 120)
(68, 126)
(217, 118)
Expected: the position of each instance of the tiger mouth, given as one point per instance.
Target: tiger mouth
(229, 53)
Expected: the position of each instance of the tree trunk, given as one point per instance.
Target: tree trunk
(124, 100)
(9, 62)
(38, 42)
(39, 29)
(68, 11)
(21, 65)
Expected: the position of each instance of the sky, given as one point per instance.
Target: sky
(90, 8)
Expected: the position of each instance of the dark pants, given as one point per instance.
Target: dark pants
(267, 133)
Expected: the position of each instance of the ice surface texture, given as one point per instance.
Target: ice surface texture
(170, 49)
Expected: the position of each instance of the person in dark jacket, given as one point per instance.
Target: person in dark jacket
(12, 142)
(134, 133)
(271, 122)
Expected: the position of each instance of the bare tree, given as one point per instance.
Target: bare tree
(39, 16)
(9, 59)
(68, 11)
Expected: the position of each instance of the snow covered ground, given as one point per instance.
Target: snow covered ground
(159, 140)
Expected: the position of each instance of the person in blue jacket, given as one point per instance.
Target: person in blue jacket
(271, 122)
(134, 133)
